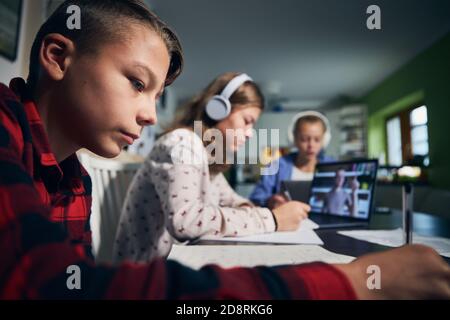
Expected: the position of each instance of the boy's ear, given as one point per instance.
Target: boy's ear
(56, 54)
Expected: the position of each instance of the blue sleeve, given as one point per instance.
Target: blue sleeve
(264, 189)
(323, 158)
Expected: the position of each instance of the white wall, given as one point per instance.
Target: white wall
(30, 22)
(276, 120)
(334, 146)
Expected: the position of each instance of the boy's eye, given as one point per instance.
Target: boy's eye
(138, 85)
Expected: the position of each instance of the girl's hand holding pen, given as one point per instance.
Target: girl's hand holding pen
(276, 200)
(290, 214)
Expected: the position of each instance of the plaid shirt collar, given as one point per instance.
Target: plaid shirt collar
(64, 176)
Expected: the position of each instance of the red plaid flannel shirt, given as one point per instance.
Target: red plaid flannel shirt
(44, 228)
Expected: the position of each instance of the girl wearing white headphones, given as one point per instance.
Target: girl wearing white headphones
(310, 133)
(179, 195)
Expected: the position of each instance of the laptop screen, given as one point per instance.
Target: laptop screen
(344, 188)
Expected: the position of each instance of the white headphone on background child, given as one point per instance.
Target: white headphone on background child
(327, 135)
(219, 106)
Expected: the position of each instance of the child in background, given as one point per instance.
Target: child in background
(310, 132)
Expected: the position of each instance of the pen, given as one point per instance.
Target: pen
(407, 213)
(287, 195)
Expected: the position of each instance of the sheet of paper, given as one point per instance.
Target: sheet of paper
(196, 256)
(394, 238)
(304, 235)
(309, 224)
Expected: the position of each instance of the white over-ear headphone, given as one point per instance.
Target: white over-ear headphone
(219, 106)
(327, 135)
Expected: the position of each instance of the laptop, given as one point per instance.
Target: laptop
(342, 193)
(297, 190)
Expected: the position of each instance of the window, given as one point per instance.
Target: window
(394, 142)
(407, 137)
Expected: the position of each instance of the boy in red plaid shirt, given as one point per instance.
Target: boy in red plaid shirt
(96, 88)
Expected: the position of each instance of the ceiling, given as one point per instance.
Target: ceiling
(303, 50)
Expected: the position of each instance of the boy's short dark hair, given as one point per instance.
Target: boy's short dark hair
(308, 119)
(102, 22)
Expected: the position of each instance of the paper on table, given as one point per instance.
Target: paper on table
(304, 235)
(309, 224)
(394, 238)
(197, 256)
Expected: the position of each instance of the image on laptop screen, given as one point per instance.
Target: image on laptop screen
(344, 188)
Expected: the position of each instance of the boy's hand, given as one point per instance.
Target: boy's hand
(290, 214)
(409, 272)
(275, 201)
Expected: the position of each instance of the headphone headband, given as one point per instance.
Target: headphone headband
(234, 84)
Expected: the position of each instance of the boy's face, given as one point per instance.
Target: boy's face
(309, 139)
(108, 97)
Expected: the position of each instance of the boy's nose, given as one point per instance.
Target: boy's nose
(147, 117)
(147, 122)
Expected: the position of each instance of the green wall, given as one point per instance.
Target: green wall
(426, 79)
